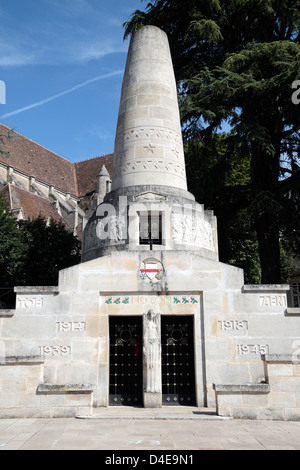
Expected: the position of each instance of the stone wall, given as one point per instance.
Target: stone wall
(23, 393)
(54, 347)
(278, 398)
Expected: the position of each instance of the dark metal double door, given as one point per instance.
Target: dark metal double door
(178, 365)
(126, 360)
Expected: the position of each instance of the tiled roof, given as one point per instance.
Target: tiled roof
(31, 204)
(88, 170)
(35, 160)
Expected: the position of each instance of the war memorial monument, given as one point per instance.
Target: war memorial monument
(150, 317)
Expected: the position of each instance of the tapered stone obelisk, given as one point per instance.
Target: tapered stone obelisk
(148, 145)
(148, 198)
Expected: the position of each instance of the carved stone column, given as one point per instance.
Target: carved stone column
(152, 360)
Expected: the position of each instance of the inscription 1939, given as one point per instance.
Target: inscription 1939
(55, 350)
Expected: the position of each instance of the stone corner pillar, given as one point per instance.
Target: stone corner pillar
(152, 383)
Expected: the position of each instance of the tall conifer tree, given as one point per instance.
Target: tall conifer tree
(236, 62)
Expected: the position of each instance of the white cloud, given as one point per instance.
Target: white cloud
(13, 53)
(65, 51)
(68, 32)
(16, 59)
(58, 95)
(101, 134)
(96, 50)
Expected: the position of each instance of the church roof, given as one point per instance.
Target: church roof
(88, 170)
(31, 204)
(35, 160)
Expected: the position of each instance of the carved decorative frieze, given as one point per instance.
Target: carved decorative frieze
(170, 137)
(144, 165)
(192, 230)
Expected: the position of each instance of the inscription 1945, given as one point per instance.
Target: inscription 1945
(252, 349)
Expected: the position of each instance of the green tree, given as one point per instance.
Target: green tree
(32, 252)
(51, 247)
(236, 61)
(13, 253)
(218, 174)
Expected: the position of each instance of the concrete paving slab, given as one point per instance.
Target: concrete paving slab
(114, 435)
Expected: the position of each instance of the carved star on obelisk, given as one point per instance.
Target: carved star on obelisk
(150, 147)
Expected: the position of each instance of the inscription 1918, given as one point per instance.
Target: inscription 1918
(233, 325)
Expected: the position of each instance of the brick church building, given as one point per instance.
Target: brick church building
(36, 181)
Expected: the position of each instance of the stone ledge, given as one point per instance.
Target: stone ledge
(19, 360)
(36, 290)
(266, 288)
(293, 311)
(279, 358)
(242, 388)
(7, 313)
(65, 388)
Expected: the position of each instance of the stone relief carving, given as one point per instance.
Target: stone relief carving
(192, 230)
(151, 165)
(151, 352)
(110, 228)
(146, 133)
(149, 196)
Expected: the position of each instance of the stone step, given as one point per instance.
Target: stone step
(165, 412)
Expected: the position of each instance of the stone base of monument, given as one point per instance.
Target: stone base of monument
(152, 400)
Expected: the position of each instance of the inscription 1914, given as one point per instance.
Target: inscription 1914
(30, 302)
(64, 326)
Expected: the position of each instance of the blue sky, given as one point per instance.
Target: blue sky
(62, 62)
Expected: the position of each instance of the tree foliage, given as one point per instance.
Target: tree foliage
(13, 249)
(235, 62)
(51, 247)
(32, 252)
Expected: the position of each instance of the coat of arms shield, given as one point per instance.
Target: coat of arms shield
(151, 270)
